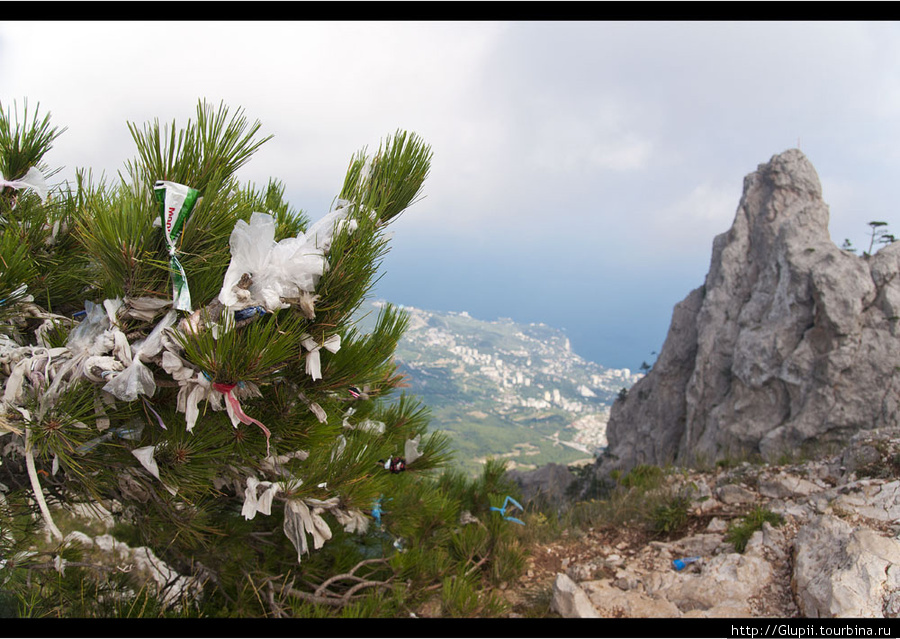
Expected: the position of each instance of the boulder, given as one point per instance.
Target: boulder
(735, 495)
(546, 485)
(786, 485)
(723, 587)
(570, 600)
(842, 571)
(873, 500)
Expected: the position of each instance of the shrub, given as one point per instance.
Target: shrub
(740, 533)
(670, 516)
(642, 477)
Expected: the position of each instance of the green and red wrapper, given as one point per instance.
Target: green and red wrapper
(176, 202)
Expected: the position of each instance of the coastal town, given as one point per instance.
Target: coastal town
(523, 380)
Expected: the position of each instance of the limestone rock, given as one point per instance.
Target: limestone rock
(80, 538)
(701, 545)
(769, 541)
(172, 586)
(785, 485)
(716, 525)
(570, 600)
(860, 457)
(726, 581)
(790, 342)
(835, 552)
(611, 601)
(872, 500)
(658, 398)
(735, 495)
(841, 571)
(583, 572)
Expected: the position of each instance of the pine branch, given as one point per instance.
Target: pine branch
(24, 144)
(251, 354)
(203, 154)
(392, 180)
(323, 594)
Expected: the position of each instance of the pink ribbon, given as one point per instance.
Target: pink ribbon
(226, 389)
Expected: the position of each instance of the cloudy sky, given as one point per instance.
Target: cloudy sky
(581, 169)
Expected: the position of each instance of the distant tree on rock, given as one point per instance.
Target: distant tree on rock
(878, 235)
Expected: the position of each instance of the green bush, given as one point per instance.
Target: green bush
(739, 533)
(671, 516)
(640, 497)
(643, 477)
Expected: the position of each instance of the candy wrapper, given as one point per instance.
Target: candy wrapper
(176, 202)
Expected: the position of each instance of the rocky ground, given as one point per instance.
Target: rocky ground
(613, 573)
(833, 552)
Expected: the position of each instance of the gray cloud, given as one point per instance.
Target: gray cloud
(608, 147)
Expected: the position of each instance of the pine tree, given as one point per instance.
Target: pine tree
(181, 349)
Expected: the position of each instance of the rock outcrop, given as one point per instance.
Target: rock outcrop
(791, 342)
(544, 487)
(842, 571)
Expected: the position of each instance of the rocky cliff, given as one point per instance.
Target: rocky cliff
(790, 343)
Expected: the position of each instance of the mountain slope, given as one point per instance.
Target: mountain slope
(505, 389)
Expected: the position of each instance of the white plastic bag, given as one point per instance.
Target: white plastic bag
(411, 449)
(262, 503)
(279, 270)
(85, 336)
(90, 338)
(300, 520)
(251, 250)
(145, 455)
(33, 179)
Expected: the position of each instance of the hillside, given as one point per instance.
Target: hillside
(506, 389)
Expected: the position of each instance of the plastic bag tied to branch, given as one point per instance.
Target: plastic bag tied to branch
(33, 179)
(313, 360)
(302, 516)
(288, 269)
(145, 455)
(193, 387)
(259, 503)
